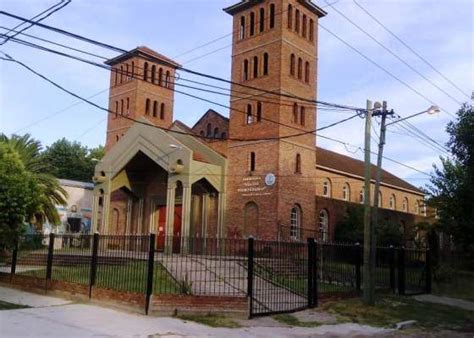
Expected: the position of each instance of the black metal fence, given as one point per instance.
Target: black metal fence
(275, 277)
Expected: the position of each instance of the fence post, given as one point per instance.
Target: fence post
(250, 261)
(14, 259)
(151, 266)
(358, 263)
(49, 263)
(392, 268)
(310, 286)
(315, 274)
(428, 271)
(401, 271)
(94, 259)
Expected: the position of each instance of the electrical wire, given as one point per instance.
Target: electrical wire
(411, 49)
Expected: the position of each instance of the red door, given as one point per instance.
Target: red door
(161, 235)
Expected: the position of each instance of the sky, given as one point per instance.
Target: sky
(440, 31)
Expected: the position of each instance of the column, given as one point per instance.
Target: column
(95, 212)
(105, 213)
(129, 215)
(221, 214)
(170, 199)
(140, 215)
(204, 220)
(186, 217)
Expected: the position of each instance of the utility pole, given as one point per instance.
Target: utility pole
(368, 283)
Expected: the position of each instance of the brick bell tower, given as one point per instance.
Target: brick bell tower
(141, 85)
(271, 183)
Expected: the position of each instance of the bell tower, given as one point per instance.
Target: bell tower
(271, 183)
(141, 85)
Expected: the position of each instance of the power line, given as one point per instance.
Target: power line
(382, 68)
(9, 58)
(411, 49)
(394, 54)
(154, 59)
(51, 10)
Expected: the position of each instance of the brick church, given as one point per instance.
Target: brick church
(242, 175)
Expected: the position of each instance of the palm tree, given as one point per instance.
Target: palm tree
(51, 193)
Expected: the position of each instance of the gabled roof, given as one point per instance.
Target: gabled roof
(211, 112)
(244, 4)
(330, 159)
(146, 53)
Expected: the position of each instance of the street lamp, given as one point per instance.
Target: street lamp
(431, 111)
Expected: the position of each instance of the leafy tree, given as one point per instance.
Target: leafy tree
(351, 227)
(452, 184)
(47, 191)
(17, 195)
(71, 160)
(389, 233)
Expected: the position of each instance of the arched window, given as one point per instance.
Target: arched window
(405, 204)
(327, 188)
(251, 219)
(168, 80)
(272, 15)
(249, 114)
(133, 69)
(255, 67)
(295, 222)
(295, 113)
(147, 107)
(259, 111)
(290, 16)
(300, 68)
(116, 108)
(252, 24)
(297, 21)
(246, 70)
(292, 64)
(127, 72)
(392, 202)
(155, 108)
(417, 207)
(201, 133)
(145, 72)
(306, 72)
(311, 30)
(121, 73)
(252, 161)
(305, 25)
(121, 107)
(242, 28)
(361, 196)
(162, 111)
(380, 200)
(265, 64)
(115, 219)
(153, 74)
(160, 76)
(116, 76)
(116, 138)
(346, 192)
(262, 19)
(216, 132)
(223, 135)
(298, 164)
(302, 115)
(209, 130)
(128, 106)
(324, 225)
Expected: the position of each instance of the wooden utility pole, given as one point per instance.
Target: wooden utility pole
(369, 263)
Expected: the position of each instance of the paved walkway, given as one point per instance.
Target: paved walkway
(460, 303)
(57, 318)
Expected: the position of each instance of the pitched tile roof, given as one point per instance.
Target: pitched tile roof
(339, 162)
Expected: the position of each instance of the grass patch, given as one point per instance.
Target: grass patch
(390, 310)
(458, 286)
(10, 306)
(131, 277)
(293, 321)
(211, 319)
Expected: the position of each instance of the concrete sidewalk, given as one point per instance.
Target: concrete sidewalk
(53, 318)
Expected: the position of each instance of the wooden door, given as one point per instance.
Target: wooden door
(161, 234)
(161, 228)
(177, 228)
